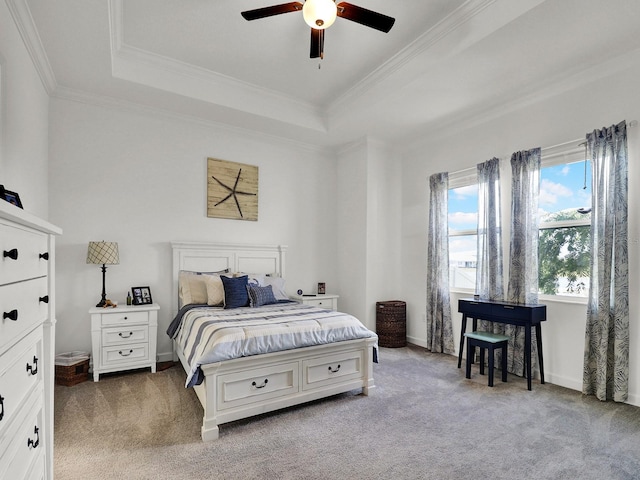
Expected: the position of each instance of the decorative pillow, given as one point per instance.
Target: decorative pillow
(215, 290)
(259, 296)
(235, 292)
(277, 284)
(192, 287)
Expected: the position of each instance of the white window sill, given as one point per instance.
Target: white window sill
(541, 298)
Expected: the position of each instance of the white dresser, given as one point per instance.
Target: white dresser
(27, 344)
(123, 338)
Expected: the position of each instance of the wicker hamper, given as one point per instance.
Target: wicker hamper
(72, 368)
(391, 323)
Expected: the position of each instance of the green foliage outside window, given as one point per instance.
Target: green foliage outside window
(564, 256)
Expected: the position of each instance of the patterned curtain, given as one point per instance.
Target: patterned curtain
(523, 268)
(606, 356)
(439, 324)
(489, 283)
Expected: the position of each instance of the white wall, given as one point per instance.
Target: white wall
(24, 107)
(547, 122)
(140, 179)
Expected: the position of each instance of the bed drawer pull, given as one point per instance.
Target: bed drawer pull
(12, 254)
(44, 256)
(122, 335)
(33, 369)
(254, 384)
(125, 354)
(36, 442)
(2, 407)
(331, 370)
(12, 315)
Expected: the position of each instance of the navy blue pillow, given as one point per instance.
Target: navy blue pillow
(259, 296)
(235, 291)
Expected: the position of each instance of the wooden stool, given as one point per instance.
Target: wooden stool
(490, 341)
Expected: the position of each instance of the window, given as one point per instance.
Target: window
(565, 219)
(463, 227)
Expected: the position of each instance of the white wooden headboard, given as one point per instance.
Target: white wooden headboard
(211, 257)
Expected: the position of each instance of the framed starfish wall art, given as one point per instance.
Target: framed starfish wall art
(232, 190)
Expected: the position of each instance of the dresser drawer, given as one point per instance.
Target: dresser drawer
(329, 369)
(116, 355)
(26, 448)
(125, 335)
(257, 385)
(26, 303)
(115, 317)
(20, 374)
(30, 250)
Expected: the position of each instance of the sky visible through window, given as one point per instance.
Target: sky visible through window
(561, 188)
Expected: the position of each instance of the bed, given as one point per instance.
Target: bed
(235, 388)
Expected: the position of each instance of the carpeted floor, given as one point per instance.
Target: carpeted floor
(423, 420)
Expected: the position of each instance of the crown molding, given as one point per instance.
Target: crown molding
(148, 68)
(104, 101)
(426, 41)
(26, 27)
(577, 77)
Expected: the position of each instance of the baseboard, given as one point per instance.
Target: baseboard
(164, 357)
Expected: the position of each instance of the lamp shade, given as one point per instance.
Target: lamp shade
(103, 253)
(319, 14)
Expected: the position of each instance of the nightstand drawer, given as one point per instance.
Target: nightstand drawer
(23, 305)
(326, 303)
(17, 377)
(125, 335)
(125, 354)
(120, 318)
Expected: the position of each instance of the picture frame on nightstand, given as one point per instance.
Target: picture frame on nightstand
(321, 288)
(141, 295)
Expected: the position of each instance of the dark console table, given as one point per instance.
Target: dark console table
(525, 315)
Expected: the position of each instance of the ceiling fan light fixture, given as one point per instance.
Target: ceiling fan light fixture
(320, 14)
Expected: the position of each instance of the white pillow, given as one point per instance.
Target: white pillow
(192, 287)
(215, 290)
(277, 285)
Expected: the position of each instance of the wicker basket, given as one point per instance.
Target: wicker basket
(391, 323)
(70, 375)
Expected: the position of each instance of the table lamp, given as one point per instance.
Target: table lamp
(103, 253)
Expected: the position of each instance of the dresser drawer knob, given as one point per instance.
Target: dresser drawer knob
(264, 384)
(12, 254)
(33, 368)
(125, 354)
(44, 256)
(34, 443)
(1, 407)
(124, 335)
(331, 370)
(44, 299)
(12, 315)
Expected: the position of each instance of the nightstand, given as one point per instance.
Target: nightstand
(123, 338)
(327, 301)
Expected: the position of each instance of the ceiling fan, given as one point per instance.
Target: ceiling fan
(320, 14)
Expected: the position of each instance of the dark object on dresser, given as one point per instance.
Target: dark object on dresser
(391, 323)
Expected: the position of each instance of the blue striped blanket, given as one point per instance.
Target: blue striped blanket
(212, 334)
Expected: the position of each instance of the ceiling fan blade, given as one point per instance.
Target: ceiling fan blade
(317, 43)
(365, 17)
(272, 10)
